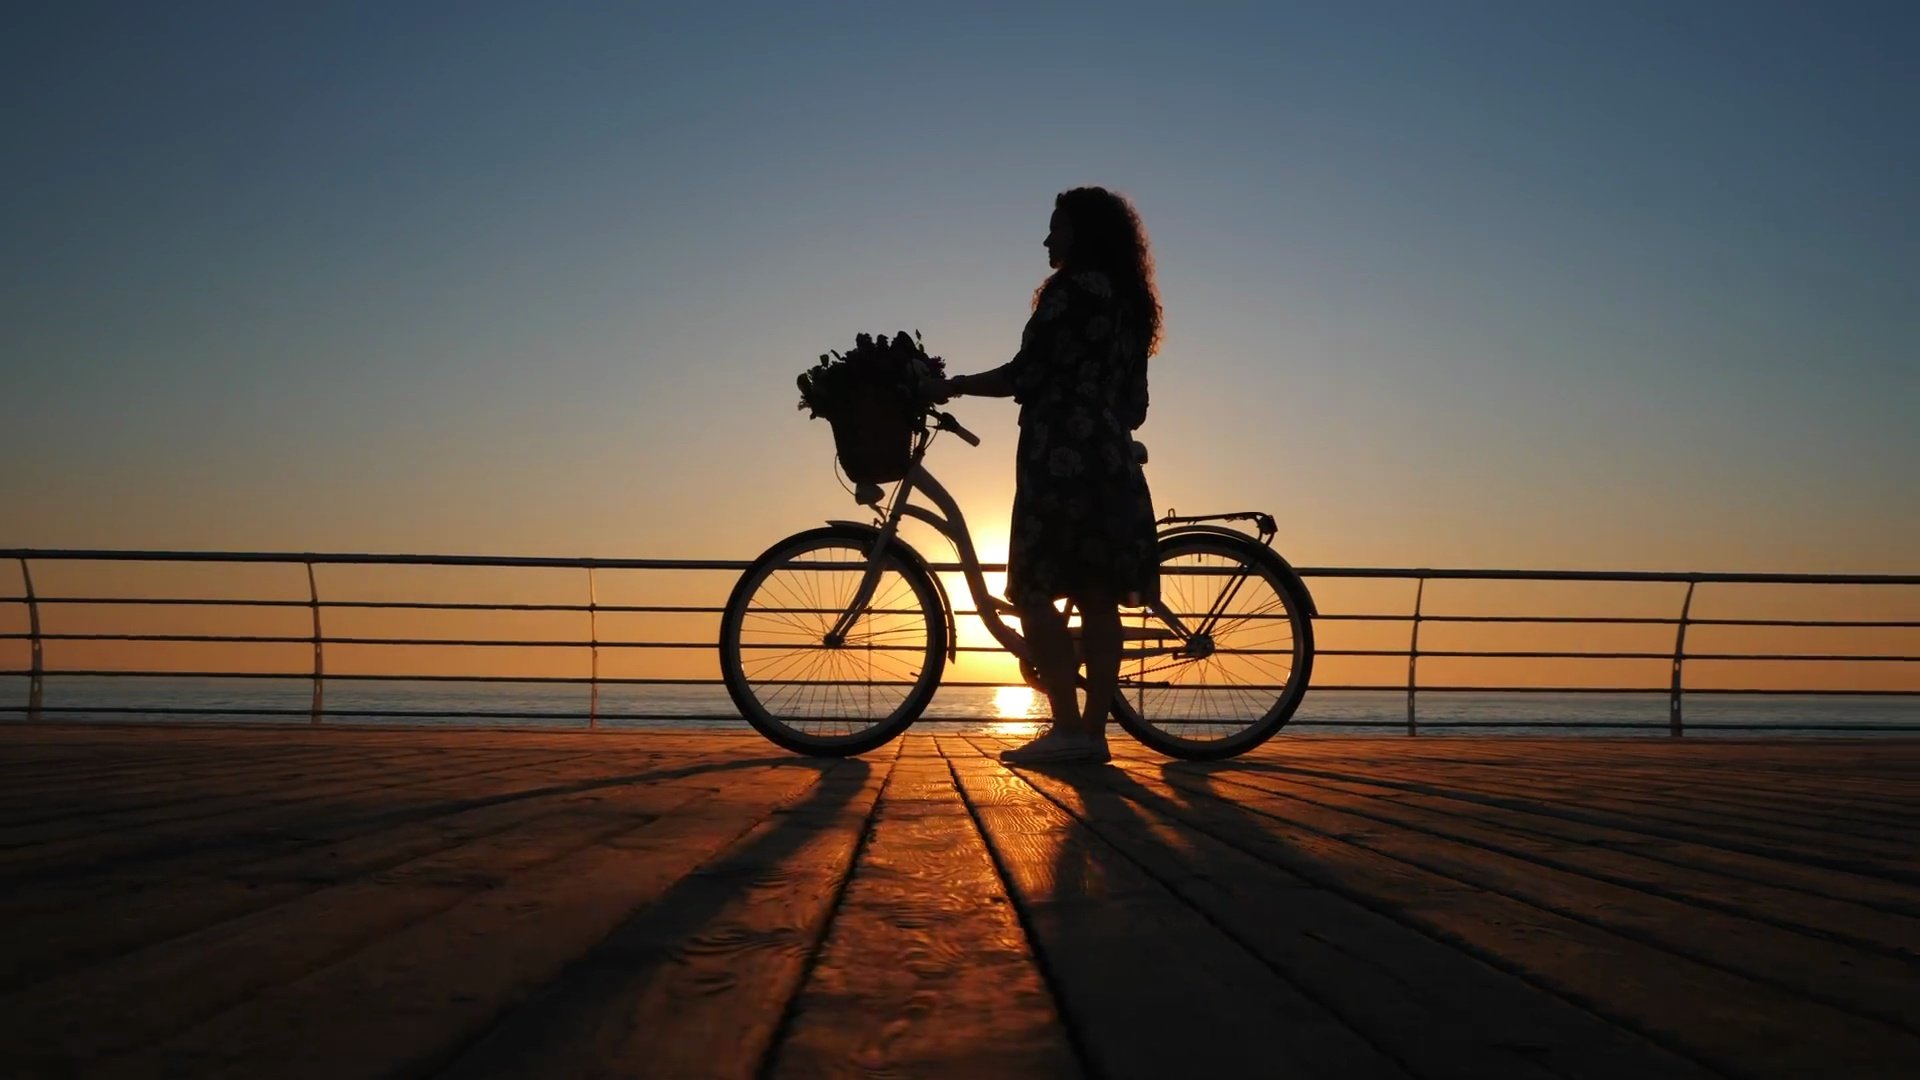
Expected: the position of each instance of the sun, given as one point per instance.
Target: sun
(1013, 702)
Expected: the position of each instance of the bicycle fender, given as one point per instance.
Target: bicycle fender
(1271, 557)
(918, 562)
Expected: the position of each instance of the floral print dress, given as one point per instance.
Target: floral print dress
(1083, 520)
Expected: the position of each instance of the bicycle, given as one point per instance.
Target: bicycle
(833, 641)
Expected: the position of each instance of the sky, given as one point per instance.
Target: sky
(1620, 286)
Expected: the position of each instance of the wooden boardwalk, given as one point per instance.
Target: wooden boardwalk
(342, 903)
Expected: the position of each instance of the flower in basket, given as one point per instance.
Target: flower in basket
(875, 396)
(898, 366)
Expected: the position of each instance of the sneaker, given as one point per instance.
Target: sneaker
(1060, 747)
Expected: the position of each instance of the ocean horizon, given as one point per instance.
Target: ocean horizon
(954, 708)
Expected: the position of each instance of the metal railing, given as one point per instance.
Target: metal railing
(37, 671)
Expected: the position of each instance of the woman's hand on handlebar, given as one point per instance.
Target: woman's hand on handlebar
(994, 383)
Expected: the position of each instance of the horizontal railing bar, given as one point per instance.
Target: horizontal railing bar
(374, 605)
(245, 639)
(1408, 617)
(1401, 688)
(1533, 655)
(695, 609)
(730, 718)
(1815, 725)
(352, 559)
(1675, 577)
(260, 639)
(306, 676)
(1404, 573)
(249, 639)
(304, 711)
(1661, 725)
(1850, 657)
(1623, 620)
(1857, 623)
(1385, 688)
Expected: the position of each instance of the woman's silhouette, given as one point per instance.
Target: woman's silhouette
(1083, 522)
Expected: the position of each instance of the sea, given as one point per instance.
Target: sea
(954, 709)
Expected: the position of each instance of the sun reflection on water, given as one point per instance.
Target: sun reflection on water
(1018, 708)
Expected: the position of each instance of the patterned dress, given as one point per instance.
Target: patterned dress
(1083, 520)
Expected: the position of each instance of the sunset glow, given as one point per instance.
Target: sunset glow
(1013, 702)
(1485, 291)
(976, 539)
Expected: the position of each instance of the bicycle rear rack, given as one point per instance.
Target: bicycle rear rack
(1260, 518)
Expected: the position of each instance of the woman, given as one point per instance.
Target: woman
(1083, 522)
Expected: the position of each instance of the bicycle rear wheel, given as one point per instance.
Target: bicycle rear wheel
(813, 697)
(1241, 675)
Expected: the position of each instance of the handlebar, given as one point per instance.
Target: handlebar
(946, 422)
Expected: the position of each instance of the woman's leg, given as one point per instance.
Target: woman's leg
(1046, 632)
(1100, 641)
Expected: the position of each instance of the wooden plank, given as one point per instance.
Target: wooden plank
(925, 971)
(1150, 986)
(1689, 795)
(1765, 889)
(374, 786)
(1842, 976)
(125, 1004)
(274, 798)
(128, 766)
(1747, 862)
(1798, 838)
(1814, 774)
(1749, 789)
(695, 983)
(233, 784)
(1438, 1011)
(274, 830)
(1888, 860)
(66, 924)
(1724, 1021)
(1508, 883)
(409, 1002)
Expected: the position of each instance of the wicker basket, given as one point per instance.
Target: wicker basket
(873, 435)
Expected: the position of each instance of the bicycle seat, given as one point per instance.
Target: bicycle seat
(1139, 452)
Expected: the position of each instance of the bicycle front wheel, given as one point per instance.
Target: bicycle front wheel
(809, 694)
(1243, 671)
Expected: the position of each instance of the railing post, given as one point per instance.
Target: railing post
(1413, 656)
(319, 657)
(35, 686)
(1675, 727)
(593, 642)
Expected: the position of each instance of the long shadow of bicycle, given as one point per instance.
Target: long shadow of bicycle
(687, 942)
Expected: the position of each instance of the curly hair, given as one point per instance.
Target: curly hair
(1108, 237)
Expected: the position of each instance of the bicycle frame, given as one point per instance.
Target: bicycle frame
(952, 524)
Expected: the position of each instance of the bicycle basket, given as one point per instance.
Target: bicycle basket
(873, 434)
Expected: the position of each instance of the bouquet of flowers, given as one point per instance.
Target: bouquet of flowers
(875, 397)
(899, 364)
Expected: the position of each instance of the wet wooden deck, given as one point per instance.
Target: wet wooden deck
(338, 903)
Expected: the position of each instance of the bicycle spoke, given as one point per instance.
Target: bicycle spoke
(1244, 612)
(781, 660)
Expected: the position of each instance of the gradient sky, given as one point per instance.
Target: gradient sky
(1537, 285)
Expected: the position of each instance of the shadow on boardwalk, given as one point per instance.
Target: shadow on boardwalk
(763, 896)
(1277, 920)
(1403, 932)
(359, 902)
